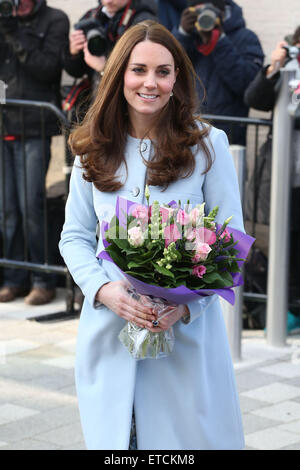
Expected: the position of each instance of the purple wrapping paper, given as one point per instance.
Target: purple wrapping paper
(179, 295)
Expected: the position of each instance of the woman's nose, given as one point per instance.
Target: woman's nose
(150, 81)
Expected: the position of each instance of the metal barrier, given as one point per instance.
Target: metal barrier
(45, 267)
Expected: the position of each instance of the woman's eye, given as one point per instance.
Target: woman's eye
(138, 70)
(164, 72)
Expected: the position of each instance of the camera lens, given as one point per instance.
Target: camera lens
(207, 20)
(96, 42)
(6, 8)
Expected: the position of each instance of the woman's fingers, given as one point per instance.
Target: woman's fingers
(136, 310)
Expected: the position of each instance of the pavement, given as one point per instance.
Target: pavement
(38, 404)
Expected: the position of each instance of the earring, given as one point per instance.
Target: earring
(171, 94)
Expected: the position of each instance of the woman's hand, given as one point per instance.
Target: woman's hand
(169, 320)
(115, 297)
(95, 62)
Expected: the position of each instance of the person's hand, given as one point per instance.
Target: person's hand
(77, 41)
(95, 62)
(278, 58)
(169, 320)
(188, 20)
(115, 297)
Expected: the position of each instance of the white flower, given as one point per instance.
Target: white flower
(135, 237)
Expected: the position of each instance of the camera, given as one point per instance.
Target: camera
(208, 17)
(95, 35)
(7, 7)
(293, 52)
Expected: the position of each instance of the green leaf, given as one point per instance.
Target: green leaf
(227, 277)
(133, 264)
(163, 270)
(210, 268)
(212, 277)
(183, 269)
(122, 244)
(117, 259)
(139, 275)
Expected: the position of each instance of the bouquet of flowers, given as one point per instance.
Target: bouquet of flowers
(171, 255)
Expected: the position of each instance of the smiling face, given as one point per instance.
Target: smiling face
(148, 81)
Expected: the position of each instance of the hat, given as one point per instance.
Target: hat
(217, 3)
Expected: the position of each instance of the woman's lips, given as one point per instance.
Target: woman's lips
(148, 97)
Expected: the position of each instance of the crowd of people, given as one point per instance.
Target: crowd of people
(36, 45)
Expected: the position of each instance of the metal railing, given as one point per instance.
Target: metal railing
(45, 266)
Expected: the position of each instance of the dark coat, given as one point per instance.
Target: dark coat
(169, 12)
(76, 66)
(31, 66)
(262, 92)
(227, 71)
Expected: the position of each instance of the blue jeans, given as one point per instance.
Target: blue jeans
(14, 210)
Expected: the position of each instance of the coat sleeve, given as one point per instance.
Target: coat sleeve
(261, 93)
(75, 65)
(78, 239)
(221, 189)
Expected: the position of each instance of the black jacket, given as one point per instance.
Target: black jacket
(144, 10)
(31, 65)
(262, 92)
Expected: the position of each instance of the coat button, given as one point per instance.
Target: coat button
(144, 147)
(135, 191)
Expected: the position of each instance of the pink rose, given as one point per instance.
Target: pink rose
(202, 234)
(135, 237)
(225, 236)
(140, 212)
(199, 271)
(205, 235)
(182, 217)
(202, 251)
(171, 234)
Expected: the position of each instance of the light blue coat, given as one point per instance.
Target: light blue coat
(188, 400)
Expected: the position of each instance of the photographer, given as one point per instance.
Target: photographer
(112, 18)
(262, 95)
(226, 56)
(32, 36)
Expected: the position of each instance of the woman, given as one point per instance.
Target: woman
(141, 129)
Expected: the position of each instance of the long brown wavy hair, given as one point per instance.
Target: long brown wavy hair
(100, 139)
